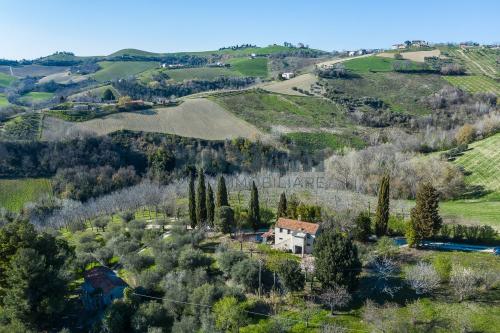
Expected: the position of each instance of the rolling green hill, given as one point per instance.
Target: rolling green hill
(113, 70)
(3, 100)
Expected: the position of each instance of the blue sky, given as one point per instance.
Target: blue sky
(30, 29)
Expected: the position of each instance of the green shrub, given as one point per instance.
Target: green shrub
(443, 267)
(397, 225)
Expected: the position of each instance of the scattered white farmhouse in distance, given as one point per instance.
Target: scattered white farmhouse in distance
(288, 75)
(295, 236)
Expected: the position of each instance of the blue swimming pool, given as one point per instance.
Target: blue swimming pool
(447, 246)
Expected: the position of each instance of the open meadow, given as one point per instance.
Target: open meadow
(113, 70)
(16, 192)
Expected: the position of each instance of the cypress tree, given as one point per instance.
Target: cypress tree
(192, 202)
(425, 220)
(201, 203)
(253, 209)
(336, 259)
(210, 205)
(382, 214)
(221, 193)
(282, 205)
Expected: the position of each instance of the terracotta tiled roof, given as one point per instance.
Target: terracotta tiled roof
(104, 278)
(311, 228)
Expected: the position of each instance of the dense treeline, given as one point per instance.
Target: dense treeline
(139, 91)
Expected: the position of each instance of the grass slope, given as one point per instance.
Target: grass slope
(322, 140)
(484, 210)
(370, 64)
(6, 80)
(24, 127)
(113, 70)
(3, 100)
(264, 109)
(482, 162)
(201, 73)
(16, 192)
(36, 96)
(250, 67)
(474, 83)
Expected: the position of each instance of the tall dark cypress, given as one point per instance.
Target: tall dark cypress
(221, 193)
(192, 202)
(382, 214)
(253, 209)
(201, 203)
(282, 205)
(210, 205)
(425, 219)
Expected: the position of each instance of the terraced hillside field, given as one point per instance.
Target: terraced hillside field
(113, 70)
(94, 93)
(478, 61)
(16, 192)
(482, 161)
(32, 70)
(474, 83)
(303, 82)
(198, 118)
(63, 78)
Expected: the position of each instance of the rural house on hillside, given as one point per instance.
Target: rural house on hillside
(101, 287)
(296, 236)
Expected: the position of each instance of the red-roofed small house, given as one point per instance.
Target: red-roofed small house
(101, 287)
(296, 236)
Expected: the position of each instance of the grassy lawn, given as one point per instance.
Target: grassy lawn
(322, 140)
(16, 192)
(36, 96)
(3, 100)
(264, 109)
(6, 80)
(484, 210)
(113, 70)
(250, 67)
(474, 83)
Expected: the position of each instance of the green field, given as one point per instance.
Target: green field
(3, 100)
(482, 165)
(6, 80)
(113, 70)
(484, 210)
(370, 64)
(482, 161)
(474, 83)
(263, 109)
(322, 140)
(16, 192)
(200, 73)
(35, 96)
(250, 67)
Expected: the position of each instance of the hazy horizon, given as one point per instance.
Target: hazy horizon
(89, 28)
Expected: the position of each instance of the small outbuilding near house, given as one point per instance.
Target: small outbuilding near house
(101, 287)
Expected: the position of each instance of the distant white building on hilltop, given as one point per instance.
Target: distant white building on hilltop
(288, 75)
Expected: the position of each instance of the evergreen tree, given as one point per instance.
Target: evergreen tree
(337, 261)
(225, 219)
(108, 95)
(282, 206)
(222, 193)
(292, 206)
(382, 214)
(201, 203)
(425, 220)
(192, 202)
(253, 209)
(210, 205)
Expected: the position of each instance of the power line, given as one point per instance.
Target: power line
(246, 311)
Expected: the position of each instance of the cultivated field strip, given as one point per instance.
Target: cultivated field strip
(197, 118)
(474, 83)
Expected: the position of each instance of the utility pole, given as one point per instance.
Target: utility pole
(260, 278)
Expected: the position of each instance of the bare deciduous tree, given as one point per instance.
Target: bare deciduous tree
(336, 297)
(464, 282)
(422, 278)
